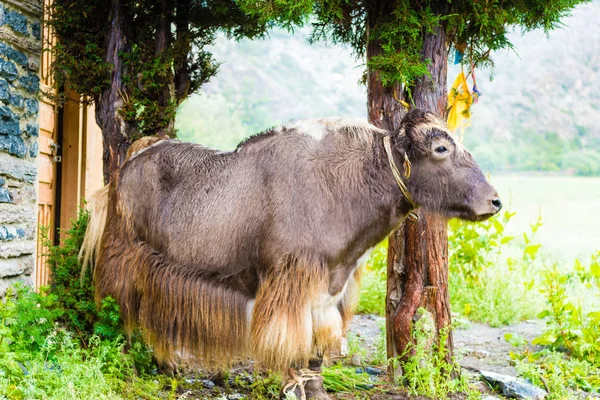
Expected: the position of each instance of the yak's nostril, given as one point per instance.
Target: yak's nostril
(497, 203)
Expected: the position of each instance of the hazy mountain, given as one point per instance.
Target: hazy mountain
(541, 111)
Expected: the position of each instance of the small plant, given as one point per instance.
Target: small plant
(558, 374)
(473, 245)
(379, 357)
(488, 283)
(426, 372)
(338, 378)
(569, 328)
(266, 387)
(355, 346)
(373, 286)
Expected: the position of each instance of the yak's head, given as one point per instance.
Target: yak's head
(444, 176)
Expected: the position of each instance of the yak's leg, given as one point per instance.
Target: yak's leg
(331, 315)
(305, 384)
(327, 332)
(282, 323)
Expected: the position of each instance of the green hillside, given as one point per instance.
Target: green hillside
(541, 111)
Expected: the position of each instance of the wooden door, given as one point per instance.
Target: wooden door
(46, 165)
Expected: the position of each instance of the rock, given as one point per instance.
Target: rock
(8, 70)
(4, 91)
(207, 383)
(13, 54)
(36, 30)
(373, 371)
(14, 267)
(33, 150)
(20, 170)
(17, 21)
(514, 387)
(13, 145)
(32, 130)
(480, 353)
(10, 122)
(31, 83)
(5, 196)
(32, 106)
(16, 100)
(488, 397)
(355, 360)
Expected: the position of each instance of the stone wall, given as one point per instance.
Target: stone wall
(20, 49)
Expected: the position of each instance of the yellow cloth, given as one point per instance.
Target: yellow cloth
(459, 103)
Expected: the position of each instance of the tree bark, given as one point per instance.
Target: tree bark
(183, 48)
(116, 132)
(418, 251)
(163, 44)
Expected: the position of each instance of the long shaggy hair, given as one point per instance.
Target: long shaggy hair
(255, 252)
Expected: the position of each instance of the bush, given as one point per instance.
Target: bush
(373, 285)
(569, 327)
(41, 358)
(427, 372)
(74, 294)
(486, 283)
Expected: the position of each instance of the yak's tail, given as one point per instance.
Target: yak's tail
(97, 206)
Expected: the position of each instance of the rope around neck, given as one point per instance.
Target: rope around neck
(298, 381)
(387, 144)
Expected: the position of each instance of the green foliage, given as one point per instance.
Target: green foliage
(379, 356)
(355, 346)
(559, 374)
(338, 378)
(30, 316)
(160, 68)
(476, 246)
(427, 372)
(73, 294)
(476, 28)
(401, 40)
(373, 284)
(40, 358)
(266, 388)
(487, 283)
(582, 162)
(146, 84)
(570, 359)
(569, 327)
(108, 323)
(79, 53)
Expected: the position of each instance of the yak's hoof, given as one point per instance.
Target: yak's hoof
(308, 385)
(314, 389)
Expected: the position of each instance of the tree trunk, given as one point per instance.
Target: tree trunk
(418, 251)
(163, 43)
(116, 132)
(182, 49)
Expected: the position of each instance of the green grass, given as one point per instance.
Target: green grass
(569, 206)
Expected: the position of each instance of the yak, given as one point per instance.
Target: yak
(257, 251)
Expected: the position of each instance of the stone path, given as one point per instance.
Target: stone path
(478, 347)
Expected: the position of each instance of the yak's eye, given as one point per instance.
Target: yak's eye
(441, 149)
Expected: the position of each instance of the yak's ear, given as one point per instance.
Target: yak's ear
(416, 125)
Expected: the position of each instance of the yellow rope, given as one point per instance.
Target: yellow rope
(298, 381)
(396, 172)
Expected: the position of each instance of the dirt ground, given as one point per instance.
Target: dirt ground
(478, 347)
